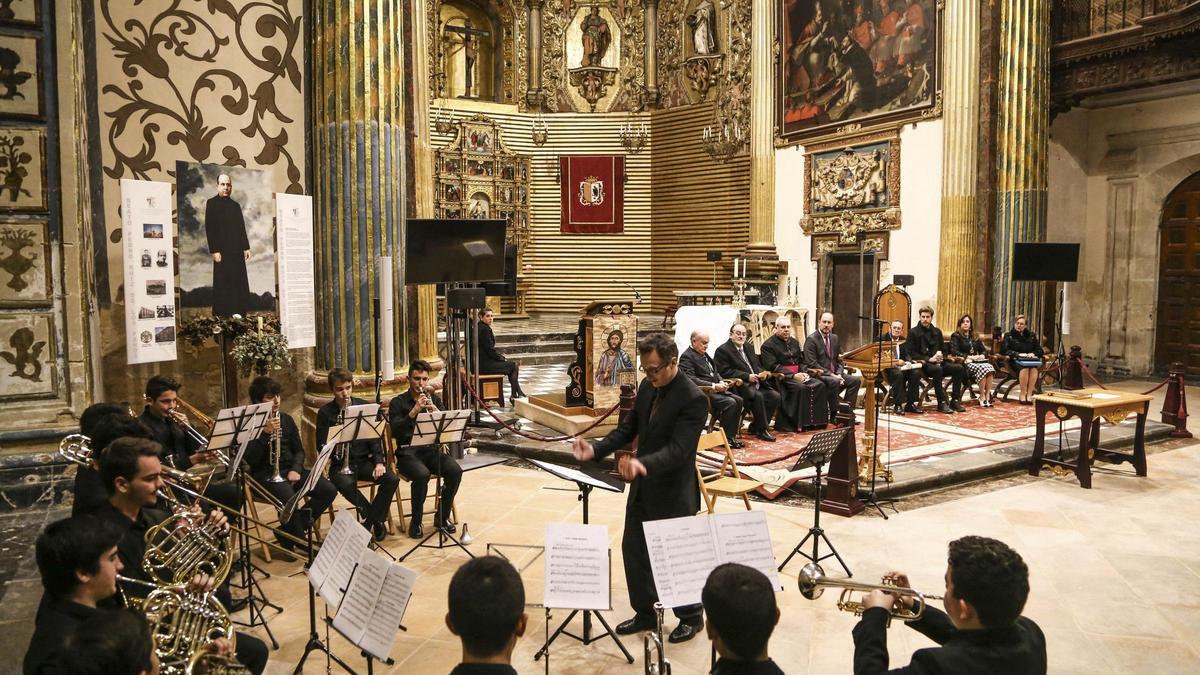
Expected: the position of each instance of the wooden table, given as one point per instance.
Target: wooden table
(1093, 405)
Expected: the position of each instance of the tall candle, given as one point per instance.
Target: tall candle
(260, 326)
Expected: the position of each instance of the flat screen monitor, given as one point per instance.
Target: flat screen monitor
(1045, 262)
(508, 287)
(438, 251)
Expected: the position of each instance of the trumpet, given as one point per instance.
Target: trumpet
(812, 581)
(341, 453)
(276, 447)
(654, 655)
(183, 623)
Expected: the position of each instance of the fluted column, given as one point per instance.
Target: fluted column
(651, 65)
(422, 315)
(958, 265)
(533, 95)
(1022, 144)
(359, 176)
(762, 131)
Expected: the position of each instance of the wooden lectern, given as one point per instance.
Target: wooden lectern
(872, 359)
(599, 322)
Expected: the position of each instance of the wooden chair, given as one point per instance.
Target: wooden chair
(254, 526)
(727, 481)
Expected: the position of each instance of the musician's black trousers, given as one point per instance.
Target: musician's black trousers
(638, 576)
(385, 489)
(417, 465)
(319, 499)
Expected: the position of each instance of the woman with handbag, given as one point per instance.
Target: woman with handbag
(965, 345)
(1024, 352)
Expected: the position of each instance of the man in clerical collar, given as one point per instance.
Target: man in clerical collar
(804, 401)
(225, 230)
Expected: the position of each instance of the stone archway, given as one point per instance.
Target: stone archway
(1177, 329)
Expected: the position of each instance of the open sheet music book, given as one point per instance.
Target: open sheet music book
(374, 603)
(911, 365)
(684, 550)
(577, 567)
(234, 428)
(330, 571)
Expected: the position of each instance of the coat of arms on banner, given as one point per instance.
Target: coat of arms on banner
(592, 194)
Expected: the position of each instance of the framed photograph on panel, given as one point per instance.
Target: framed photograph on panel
(20, 75)
(24, 263)
(22, 169)
(20, 12)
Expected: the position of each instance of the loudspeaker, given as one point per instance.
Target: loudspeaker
(466, 298)
(904, 280)
(713, 256)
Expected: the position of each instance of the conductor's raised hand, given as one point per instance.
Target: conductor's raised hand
(630, 468)
(583, 450)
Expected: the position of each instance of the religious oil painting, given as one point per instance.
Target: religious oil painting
(226, 239)
(27, 355)
(847, 65)
(22, 169)
(20, 75)
(24, 267)
(614, 357)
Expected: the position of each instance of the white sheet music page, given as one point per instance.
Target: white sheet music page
(576, 567)
(339, 533)
(334, 586)
(743, 537)
(393, 599)
(358, 605)
(682, 553)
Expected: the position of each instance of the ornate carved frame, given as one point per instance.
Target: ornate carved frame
(512, 50)
(843, 226)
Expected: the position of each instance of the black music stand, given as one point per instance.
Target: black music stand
(820, 448)
(314, 638)
(439, 428)
(363, 426)
(586, 482)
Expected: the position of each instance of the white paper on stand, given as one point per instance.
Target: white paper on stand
(743, 537)
(577, 567)
(390, 606)
(374, 606)
(334, 563)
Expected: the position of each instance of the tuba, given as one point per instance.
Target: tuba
(654, 655)
(812, 581)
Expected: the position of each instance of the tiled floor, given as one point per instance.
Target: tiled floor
(1113, 573)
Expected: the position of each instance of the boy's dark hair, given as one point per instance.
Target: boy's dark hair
(156, 385)
(661, 344)
(111, 643)
(118, 425)
(740, 604)
(96, 412)
(991, 577)
(72, 545)
(486, 601)
(120, 460)
(263, 385)
(421, 365)
(339, 375)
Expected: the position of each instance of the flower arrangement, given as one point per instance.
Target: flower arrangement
(257, 342)
(260, 352)
(202, 328)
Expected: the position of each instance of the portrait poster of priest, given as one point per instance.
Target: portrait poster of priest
(226, 239)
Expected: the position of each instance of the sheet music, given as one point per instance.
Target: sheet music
(370, 614)
(334, 540)
(743, 537)
(682, 553)
(390, 606)
(344, 546)
(367, 410)
(576, 475)
(450, 422)
(354, 614)
(576, 567)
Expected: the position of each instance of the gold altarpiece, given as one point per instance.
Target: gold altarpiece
(476, 176)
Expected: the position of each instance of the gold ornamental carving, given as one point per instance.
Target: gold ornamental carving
(853, 190)
(592, 83)
(1117, 416)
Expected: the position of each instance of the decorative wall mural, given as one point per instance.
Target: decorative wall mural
(848, 65)
(24, 272)
(22, 169)
(26, 356)
(852, 189)
(20, 11)
(20, 76)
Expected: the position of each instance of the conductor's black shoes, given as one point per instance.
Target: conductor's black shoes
(686, 631)
(637, 624)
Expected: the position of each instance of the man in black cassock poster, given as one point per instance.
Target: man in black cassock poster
(225, 228)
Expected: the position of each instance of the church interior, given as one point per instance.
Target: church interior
(956, 244)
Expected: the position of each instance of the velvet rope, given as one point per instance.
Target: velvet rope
(529, 434)
(1091, 377)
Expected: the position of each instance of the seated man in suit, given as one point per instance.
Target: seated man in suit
(926, 344)
(905, 384)
(802, 398)
(695, 363)
(821, 355)
(419, 463)
(981, 631)
(736, 359)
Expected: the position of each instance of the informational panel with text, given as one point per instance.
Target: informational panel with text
(297, 286)
(148, 234)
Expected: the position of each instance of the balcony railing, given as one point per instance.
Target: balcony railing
(1075, 19)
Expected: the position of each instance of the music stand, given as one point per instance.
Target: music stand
(820, 448)
(586, 482)
(439, 428)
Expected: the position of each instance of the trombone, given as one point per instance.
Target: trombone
(812, 581)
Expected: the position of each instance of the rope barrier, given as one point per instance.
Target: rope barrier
(530, 434)
(1091, 377)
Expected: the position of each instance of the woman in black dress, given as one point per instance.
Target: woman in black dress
(966, 347)
(492, 362)
(1024, 352)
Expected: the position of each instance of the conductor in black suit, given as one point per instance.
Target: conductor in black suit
(696, 364)
(492, 362)
(667, 420)
(821, 352)
(736, 359)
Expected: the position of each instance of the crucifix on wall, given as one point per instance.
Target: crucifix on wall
(469, 37)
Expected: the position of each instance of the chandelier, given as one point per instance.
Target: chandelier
(723, 138)
(634, 138)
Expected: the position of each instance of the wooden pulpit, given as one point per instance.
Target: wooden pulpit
(605, 354)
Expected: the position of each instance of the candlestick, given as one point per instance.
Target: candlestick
(260, 326)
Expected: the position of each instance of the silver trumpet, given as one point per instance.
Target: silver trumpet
(812, 581)
(654, 654)
(341, 453)
(276, 448)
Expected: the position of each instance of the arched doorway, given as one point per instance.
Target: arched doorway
(1177, 331)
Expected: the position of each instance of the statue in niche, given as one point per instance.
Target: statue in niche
(596, 37)
(469, 37)
(703, 22)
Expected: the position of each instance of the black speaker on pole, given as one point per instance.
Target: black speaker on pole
(904, 280)
(1034, 261)
(466, 298)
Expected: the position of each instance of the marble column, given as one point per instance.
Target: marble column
(1022, 146)
(358, 176)
(958, 263)
(651, 93)
(762, 131)
(533, 94)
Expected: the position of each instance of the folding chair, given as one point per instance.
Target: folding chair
(727, 481)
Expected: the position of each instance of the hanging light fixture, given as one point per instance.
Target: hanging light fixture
(540, 132)
(634, 138)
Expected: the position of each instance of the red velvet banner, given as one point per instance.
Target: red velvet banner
(593, 195)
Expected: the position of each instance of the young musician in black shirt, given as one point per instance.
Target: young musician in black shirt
(740, 606)
(486, 610)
